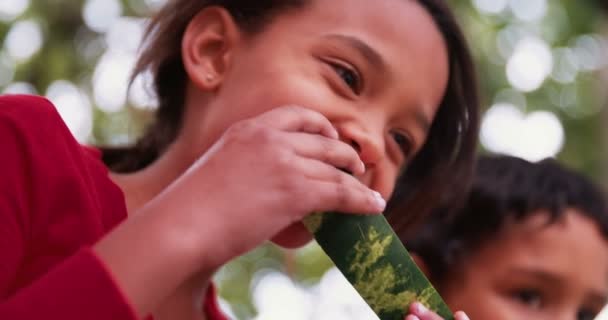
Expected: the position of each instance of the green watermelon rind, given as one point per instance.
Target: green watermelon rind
(370, 255)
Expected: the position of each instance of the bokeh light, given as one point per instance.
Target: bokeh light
(113, 72)
(111, 79)
(507, 130)
(100, 15)
(23, 40)
(490, 6)
(7, 69)
(529, 10)
(74, 107)
(530, 64)
(20, 88)
(141, 93)
(591, 52)
(276, 296)
(155, 4)
(566, 65)
(11, 9)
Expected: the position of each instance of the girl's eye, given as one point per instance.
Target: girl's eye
(349, 75)
(403, 142)
(586, 314)
(529, 297)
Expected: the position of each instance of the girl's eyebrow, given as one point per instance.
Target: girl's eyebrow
(372, 56)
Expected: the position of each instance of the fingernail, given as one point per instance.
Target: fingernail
(362, 165)
(461, 316)
(420, 309)
(379, 201)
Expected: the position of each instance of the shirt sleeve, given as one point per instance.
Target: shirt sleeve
(80, 287)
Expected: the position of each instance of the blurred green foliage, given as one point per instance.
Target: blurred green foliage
(583, 119)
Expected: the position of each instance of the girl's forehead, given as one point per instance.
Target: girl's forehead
(386, 16)
(401, 31)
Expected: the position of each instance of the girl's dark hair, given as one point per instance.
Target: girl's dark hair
(441, 171)
(161, 55)
(444, 163)
(505, 190)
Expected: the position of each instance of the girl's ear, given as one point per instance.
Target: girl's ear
(421, 264)
(208, 45)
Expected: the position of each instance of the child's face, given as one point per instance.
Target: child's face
(535, 271)
(376, 69)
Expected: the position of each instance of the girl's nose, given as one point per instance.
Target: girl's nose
(369, 146)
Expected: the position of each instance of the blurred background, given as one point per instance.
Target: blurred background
(543, 66)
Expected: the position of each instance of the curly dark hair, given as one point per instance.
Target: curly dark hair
(505, 189)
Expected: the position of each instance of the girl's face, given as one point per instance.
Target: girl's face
(377, 70)
(535, 270)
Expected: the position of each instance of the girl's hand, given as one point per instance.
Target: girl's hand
(420, 312)
(262, 176)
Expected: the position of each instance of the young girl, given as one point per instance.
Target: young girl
(269, 111)
(530, 243)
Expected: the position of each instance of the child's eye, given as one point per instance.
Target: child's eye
(349, 75)
(403, 142)
(586, 314)
(529, 297)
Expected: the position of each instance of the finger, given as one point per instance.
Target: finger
(419, 310)
(330, 189)
(461, 316)
(338, 198)
(299, 119)
(327, 188)
(331, 151)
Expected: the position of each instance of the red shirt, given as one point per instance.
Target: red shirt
(56, 201)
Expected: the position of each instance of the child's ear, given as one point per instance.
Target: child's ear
(207, 47)
(421, 264)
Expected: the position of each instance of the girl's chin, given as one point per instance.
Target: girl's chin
(293, 237)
